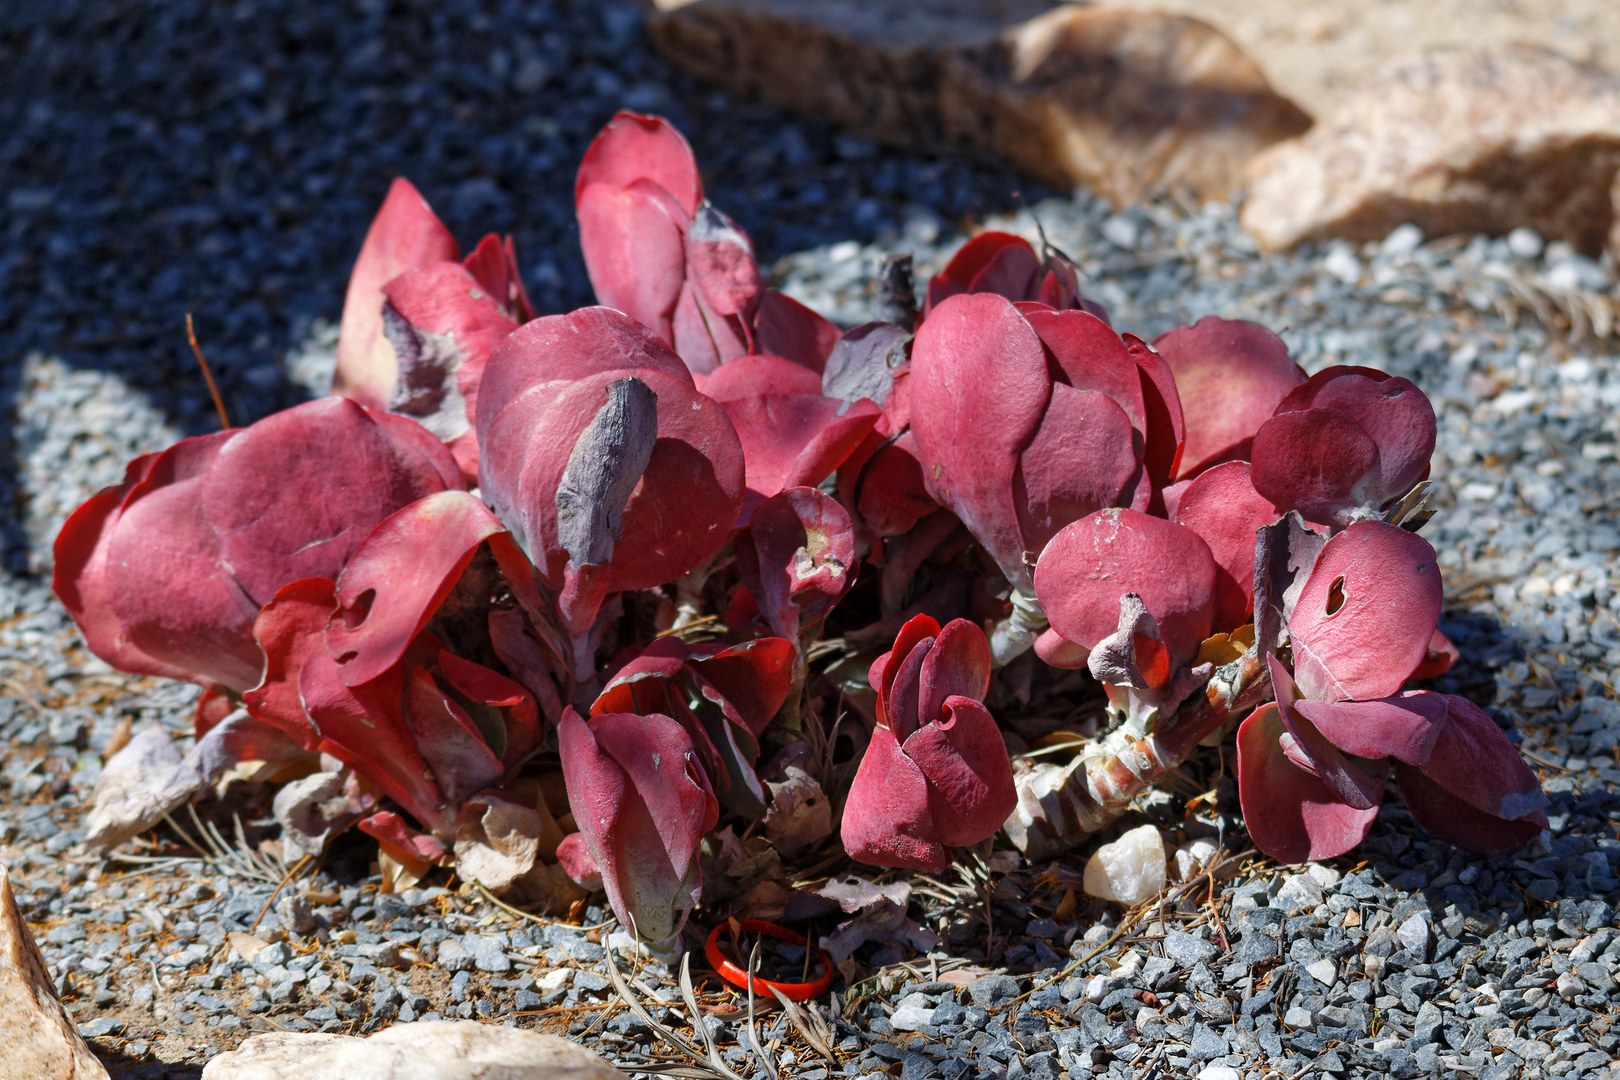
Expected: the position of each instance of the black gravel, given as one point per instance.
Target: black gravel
(224, 159)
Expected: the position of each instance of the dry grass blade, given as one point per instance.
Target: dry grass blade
(688, 996)
(760, 1054)
(806, 1029)
(704, 1068)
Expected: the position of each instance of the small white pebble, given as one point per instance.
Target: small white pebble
(1570, 986)
(1130, 870)
(1300, 1018)
(1322, 971)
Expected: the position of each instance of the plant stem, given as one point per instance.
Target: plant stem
(1059, 805)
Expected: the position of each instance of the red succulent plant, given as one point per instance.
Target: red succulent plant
(1343, 444)
(1312, 766)
(642, 801)
(936, 773)
(1081, 420)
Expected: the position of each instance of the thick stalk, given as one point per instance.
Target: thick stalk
(1015, 635)
(1059, 805)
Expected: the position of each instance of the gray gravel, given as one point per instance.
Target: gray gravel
(225, 159)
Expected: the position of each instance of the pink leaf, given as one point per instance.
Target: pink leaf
(1082, 459)
(1456, 821)
(79, 578)
(1317, 754)
(887, 820)
(642, 803)
(1403, 727)
(754, 678)
(797, 558)
(1346, 438)
(166, 581)
(405, 234)
(635, 252)
(1223, 508)
(390, 830)
(494, 264)
(758, 376)
(290, 629)
(448, 740)
(1366, 613)
(294, 495)
(400, 576)
(1473, 760)
(1230, 376)
(444, 326)
(957, 666)
(965, 763)
(1290, 814)
(365, 726)
(635, 147)
(1166, 430)
(797, 440)
(968, 441)
(784, 327)
(1092, 562)
(515, 708)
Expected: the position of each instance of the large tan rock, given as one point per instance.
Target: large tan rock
(1127, 102)
(426, 1050)
(38, 1040)
(1457, 140)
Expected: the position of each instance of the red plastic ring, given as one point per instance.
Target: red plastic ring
(737, 977)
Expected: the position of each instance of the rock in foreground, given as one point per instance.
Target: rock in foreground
(1458, 140)
(37, 1039)
(1128, 102)
(1130, 870)
(428, 1050)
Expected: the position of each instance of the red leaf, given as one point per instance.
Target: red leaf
(637, 147)
(399, 577)
(887, 820)
(448, 740)
(455, 325)
(290, 629)
(294, 495)
(1403, 727)
(759, 376)
(404, 234)
(1366, 613)
(1092, 562)
(364, 725)
(784, 327)
(1474, 761)
(968, 441)
(80, 577)
(166, 582)
(643, 804)
(795, 440)
(1223, 508)
(635, 252)
(1230, 376)
(1438, 658)
(1290, 814)
(797, 558)
(1456, 821)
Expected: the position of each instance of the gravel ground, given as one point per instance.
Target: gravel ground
(225, 159)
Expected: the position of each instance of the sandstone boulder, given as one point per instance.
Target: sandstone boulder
(1127, 102)
(38, 1041)
(426, 1050)
(1457, 140)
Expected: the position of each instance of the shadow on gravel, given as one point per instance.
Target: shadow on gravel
(160, 157)
(122, 1066)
